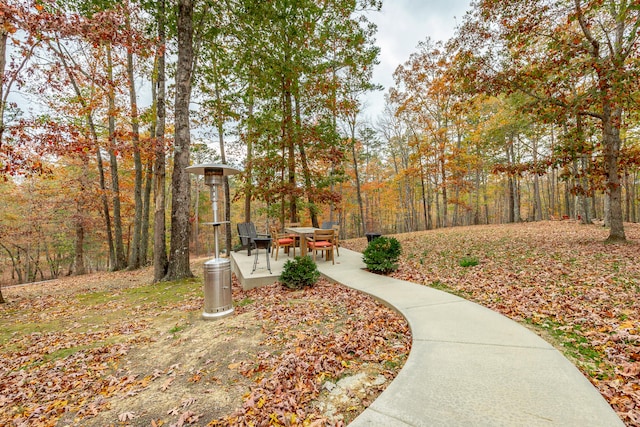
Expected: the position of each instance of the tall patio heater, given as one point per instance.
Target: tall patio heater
(217, 271)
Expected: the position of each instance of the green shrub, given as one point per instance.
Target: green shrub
(469, 261)
(382, 254)
(300, 272)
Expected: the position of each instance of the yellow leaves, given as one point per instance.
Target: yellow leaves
(58, 405)
(273, 420)
(261, 402)
(627, 324)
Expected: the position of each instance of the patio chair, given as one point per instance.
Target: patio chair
(282, 240)
(336, 241)
(246, 233)
(323, 240)
(294, 236)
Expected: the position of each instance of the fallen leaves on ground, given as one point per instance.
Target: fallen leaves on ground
(560, 277)
(323, 333)
(113, 349)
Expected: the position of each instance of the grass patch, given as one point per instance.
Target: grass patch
(9, 331)
(468, 261)
(95, 298)
(177, 329)
(445, 288)
(163, 293)
(576, 347)
(244, 302)
(440, 286)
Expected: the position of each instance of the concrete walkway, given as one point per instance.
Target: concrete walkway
(470, 366)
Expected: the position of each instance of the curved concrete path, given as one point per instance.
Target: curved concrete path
(470, 366)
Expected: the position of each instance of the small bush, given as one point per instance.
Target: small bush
(300, 272)
(382, 254)
(469, 261)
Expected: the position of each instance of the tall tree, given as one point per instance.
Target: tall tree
(542, 48)
(135, 249)
(160, 261)
(120, 256)
(178, 267)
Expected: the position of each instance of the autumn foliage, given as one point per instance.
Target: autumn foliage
(112, 348)
(556, 276)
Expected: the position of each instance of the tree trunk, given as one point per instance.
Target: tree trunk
(134, 255)
(159, 227)
(305, 167)
(196, 220)
(363, 225)
(248, 189)
(612, 143)
(445, 201)
(476, 214)
(289, 141)
(146, 210)
(606, 208)
(426, 199)
(113, 164)
(180, 195)
(632, 196)
(627, 199)
(429, 196)
(3, 61)
(79, 220)
(586, 191)
(537, 200)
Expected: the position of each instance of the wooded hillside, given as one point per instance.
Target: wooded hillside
(529, 112)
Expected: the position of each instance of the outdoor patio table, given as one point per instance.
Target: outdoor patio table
(302, 232)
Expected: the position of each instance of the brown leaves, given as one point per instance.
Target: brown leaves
(86, 349)
(323, 332)
(580, 294)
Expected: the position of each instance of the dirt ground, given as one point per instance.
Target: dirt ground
(175, 369)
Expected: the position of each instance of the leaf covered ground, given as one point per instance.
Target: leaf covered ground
(113, 349)
(558, 277)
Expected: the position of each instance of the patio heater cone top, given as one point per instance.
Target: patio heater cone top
(213, 168)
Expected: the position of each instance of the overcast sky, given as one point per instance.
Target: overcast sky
(401, 25)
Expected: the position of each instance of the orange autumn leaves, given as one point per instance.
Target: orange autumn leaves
(69, 357)
(558, 276)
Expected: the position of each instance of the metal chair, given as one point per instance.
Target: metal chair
(261, 243)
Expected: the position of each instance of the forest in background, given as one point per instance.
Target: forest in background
(528, 113)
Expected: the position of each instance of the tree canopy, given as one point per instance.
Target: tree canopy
(529, 112)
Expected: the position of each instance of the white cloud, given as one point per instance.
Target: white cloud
(402, 24)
